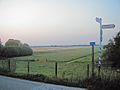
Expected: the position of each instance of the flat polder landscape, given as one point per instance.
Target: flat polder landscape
(74, 43)
(71, 61)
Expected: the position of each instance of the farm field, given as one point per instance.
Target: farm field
(58, 54)
(72, 62)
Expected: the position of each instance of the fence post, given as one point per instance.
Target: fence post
(99, 71)
(87, 70)
(92, 60)
(9, 65)
(56, 69)
(28, 66)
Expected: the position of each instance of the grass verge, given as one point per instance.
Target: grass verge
(92, 83)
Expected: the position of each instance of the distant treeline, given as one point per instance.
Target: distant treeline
(62, 46)
(14, 48)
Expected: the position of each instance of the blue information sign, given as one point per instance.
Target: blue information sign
(92, 43)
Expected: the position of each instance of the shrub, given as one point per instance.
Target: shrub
(112, 52)
(14, 48)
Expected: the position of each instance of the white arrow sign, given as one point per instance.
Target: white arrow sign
(108, 26)
(98, 20)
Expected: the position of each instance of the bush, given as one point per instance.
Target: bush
(9, 52)
(112, 52)
(104, 84)
(14, 48)
(16, 51)
(1, 46)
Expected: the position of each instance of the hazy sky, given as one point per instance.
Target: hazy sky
(46, 22)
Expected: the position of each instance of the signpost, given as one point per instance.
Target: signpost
(109, 26)
(99, 20)
(92, 44)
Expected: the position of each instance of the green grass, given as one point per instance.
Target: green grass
(59, 55)
(72, 63)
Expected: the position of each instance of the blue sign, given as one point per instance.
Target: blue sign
(92, 43)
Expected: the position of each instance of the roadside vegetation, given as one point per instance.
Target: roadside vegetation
(112, 51)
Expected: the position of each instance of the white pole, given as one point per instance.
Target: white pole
(100, 44)
(99, 20)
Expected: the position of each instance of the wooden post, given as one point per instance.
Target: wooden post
(99, 71)
(92, 44)
(9, 65)
(56, 69)
(87, 70)
(93, 60)
(28, 66)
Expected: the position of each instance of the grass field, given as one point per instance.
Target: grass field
(72, 62)
(59, 54)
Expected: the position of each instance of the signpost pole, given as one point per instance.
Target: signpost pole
(99, 20)
(100, 44)
(92, 44)
(93, 60)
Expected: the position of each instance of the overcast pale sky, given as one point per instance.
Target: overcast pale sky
(56, 22)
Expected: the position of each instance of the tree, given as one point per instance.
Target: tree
(10, 52)
(28, 49)
(12, 42)
(112, 51)
(14, 48)
(1, 46)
